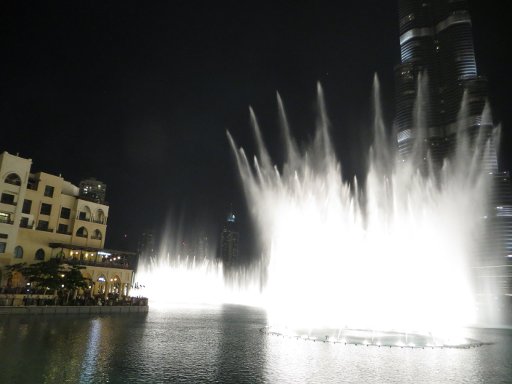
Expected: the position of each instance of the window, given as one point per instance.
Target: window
(42, 225)
(24, 222)
(65, 213)
(27, 206)
(82, 216)
(82, 232)
(5, 218)
(13, 179)
(48, 191)
(40, 254)
(4, 235)
(63, 228)
(18, 252)
(2, 247)
(32, 184)
(46, 209)
(100, 216)
(96, 235)
(7, 198)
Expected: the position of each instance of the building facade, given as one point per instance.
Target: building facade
(439, 92)
(43, 216)
(437, 68)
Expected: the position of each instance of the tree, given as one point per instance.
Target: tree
(46, 274)
(11, 270)
(52, 275)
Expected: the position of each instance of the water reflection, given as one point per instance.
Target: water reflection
(241, 356)
(221, 345)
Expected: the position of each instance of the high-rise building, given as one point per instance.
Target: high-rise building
(229, 241)
(203, 247)
(436, 43)
(146, 246)
(93, 190)
(437, 70)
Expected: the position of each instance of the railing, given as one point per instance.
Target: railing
(9, 202)
(16, 182)
(63, 232)
(44, 229)
(92, 220)
(105, 264)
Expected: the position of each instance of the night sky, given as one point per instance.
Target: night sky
(140, 94)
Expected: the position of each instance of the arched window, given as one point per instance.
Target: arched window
(18, 252)
(40, 254)
(97, 235)
(82, 232)
(115, 284)
(100, 216)
(13, 179)
(101, 284)
(84, 213)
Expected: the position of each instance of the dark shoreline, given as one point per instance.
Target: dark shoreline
(72, 310)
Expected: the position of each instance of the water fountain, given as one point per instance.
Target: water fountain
(393, 256)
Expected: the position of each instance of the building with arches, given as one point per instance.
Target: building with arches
(43, 216)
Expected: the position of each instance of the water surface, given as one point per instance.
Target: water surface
(222, 345)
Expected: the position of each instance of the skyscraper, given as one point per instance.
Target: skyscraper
(229, 241)
(436, 42)
(436, 45)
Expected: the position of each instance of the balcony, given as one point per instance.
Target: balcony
(44, 229)
(92, 220)
(105, 264)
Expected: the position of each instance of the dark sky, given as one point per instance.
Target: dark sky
(140, 94)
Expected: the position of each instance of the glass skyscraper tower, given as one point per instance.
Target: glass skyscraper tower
(437, 70)
(436, 42)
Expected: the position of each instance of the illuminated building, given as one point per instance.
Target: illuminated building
(92, 190)
(229, 241)
(43, 216)
(436, 42)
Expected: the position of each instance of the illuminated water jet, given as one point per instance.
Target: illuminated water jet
(177, 281)
(393, 255)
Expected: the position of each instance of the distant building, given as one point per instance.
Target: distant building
(93, 190)
(229, 241)
(146, 246)
(203, 247)
(43, 216)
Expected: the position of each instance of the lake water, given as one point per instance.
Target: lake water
(223, 345)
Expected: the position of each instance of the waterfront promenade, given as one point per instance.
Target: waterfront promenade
(71, 310)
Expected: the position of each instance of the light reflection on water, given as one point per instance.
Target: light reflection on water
(221, 345)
